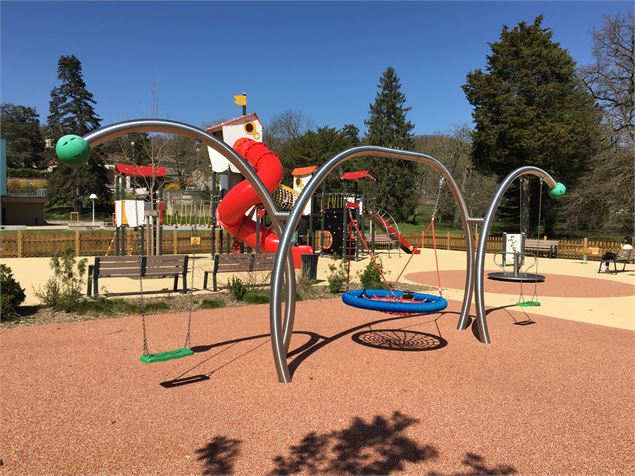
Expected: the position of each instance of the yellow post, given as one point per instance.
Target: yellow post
(175, 243)
(448, 240)
(76, 242)
(19, 243)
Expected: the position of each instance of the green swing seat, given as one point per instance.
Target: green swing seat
(167, 355)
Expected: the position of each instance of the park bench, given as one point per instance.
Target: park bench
(548, 246)
(382, 241)
(622, 256)
(135, 266)
(237, 263)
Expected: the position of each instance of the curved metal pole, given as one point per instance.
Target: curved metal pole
(279, 342)
(121, 129)
(479, 270)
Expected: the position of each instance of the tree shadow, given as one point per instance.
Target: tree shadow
(375, 447)
(219, 455)
(477, 467)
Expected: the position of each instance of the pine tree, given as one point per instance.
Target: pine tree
(20, 126)
(388, 127)
(530, 109)
(72, 112)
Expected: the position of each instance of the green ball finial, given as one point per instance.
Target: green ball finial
(72, 150)
(558, 191)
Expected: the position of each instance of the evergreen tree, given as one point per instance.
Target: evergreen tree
(20, 127)
(388, 127)
(72, 112)
(530, 109)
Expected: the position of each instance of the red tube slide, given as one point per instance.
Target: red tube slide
(230, 212)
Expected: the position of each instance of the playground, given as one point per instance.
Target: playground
(372, 393)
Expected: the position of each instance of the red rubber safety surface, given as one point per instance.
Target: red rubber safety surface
(556, 285)
(406, 395)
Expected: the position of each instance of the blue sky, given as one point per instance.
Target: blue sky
(323, 59)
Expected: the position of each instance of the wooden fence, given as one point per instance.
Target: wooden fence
(33, 243)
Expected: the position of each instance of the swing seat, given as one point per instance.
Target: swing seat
(528, 303)
(167, 355)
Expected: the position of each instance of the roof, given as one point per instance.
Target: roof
(140, 170)
(359, 175)
(303, 170)
(220, 125)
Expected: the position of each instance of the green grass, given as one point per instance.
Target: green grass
(111, 307)
(257, 297)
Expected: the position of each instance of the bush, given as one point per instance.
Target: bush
(370, 277)
(337, 277)
(63, 291)
(237, 288)
(11, 293)
(212, 303)
(257, 298)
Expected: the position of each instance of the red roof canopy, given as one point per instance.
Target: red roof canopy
(303, 171)
(359, 175)
(140, 170)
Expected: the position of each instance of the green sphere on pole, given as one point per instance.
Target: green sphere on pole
(72, 150)
(558, 191)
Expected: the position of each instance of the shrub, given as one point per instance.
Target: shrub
(63, 291)
(257, 298)
(370, 277)
(337, 277)
(11, 293)
(212, 303)
(237, 288)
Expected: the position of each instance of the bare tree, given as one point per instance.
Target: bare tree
(611, 78)
(287, 125)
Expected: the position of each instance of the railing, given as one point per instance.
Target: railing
(33, 243)
(38, 193)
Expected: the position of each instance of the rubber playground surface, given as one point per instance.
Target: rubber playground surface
(372, 393)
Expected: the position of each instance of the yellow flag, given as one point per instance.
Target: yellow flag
(240, 100)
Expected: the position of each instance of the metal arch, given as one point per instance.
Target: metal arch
(280, 336)
(124, 128)
(479, 296)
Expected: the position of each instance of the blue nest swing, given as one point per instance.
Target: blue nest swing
(399, 302)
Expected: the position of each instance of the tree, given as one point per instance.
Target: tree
(20, 127)
(71, 112)
(611, 78)
(388, 127)
(530, 109)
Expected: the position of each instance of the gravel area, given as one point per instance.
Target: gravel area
(371, 394)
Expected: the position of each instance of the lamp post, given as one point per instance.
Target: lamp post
(93, 197)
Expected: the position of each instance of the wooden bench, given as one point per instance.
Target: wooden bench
(550, 246)
(135, 266)
(622, 256)
(237, 263)
(382, 241)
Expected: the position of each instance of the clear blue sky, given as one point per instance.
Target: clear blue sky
(322, 59)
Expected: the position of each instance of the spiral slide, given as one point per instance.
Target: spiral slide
(230, 212)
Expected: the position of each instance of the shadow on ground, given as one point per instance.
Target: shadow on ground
(219, 455)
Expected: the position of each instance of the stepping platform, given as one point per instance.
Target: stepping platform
(168, 355)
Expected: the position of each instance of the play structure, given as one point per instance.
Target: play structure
(259, 185)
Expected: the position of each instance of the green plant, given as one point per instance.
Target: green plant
(370, 276)
(237, 288)
(257, 297)
(11, 293)
(63, 290)
(337, 277)
(212, 303)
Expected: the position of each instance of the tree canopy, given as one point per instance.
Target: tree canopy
(20, 126)
(530, 108)
(71, 112)
(389, 127)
